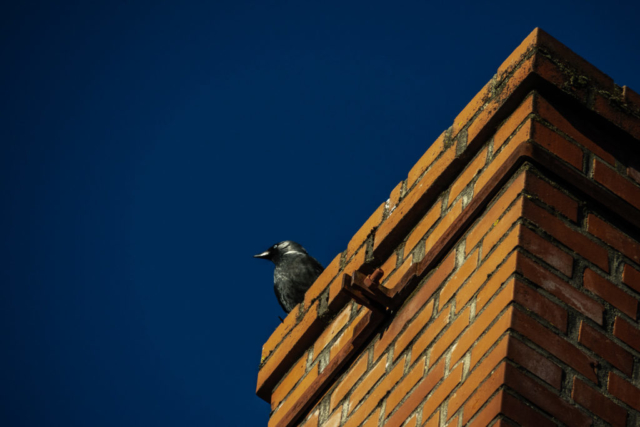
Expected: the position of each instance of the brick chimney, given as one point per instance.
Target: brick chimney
(499, 284)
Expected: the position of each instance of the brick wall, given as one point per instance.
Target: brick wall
(500, 282)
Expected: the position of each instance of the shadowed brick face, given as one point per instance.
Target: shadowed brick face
(500, 282)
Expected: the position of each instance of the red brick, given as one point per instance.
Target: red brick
(534, 301)
(376, 395)
(627, 333)
(547, 112)
(443, 343)
(611, 293)
(545, 399)
(412, 330)
(552, 197)
(352, 376)
(426, 386)
(554, 344)
(410, 308)
(634, 174)
(430, 333)
(616, 183)
(558, 145)
(367, 383)
(322, 281)
(561, 231)
(361, 235)
(520, 137)
(402, 389)
(469, 173)
(458, 278)
(626, 122)
(631, 98)
(560, 289)
(624, 390)
(598, 404)
(535, 362)
(516, 410)
(495, 211)
(425, 161)
(281, 331)
(631, 277)
(423, 226)
(546, 251)
(613, 237)
(607, 349)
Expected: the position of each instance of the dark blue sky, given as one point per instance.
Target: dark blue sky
(149, 149)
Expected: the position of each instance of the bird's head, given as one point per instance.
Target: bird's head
(279, 249)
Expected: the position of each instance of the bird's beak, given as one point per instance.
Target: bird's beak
(263, 255)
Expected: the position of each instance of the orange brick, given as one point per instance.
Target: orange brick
(433, 421)
(367, 383)
(500, 275)
(478, 278)
(471, 109)
(391, 226)
(608, 291)
(575, 241)
(402, 389)
(445, 341)
(509, 126)
(347, 334)
(334, 420)
(598, 404)
(397, 276)
(613, 237)
(552, 197)
(504, 322)
(521, 136)
(376, 395)
(426, 160)
(631, 277)
(412, 330)
(458, 278)
(338, 297)
(295, 395)
(484, 391)
(443, 225)
(394, 197)
(430, 333)
(290, 380)
(292, 347)
(467, 175)
(495, 211)
(353, 375)
(546, 111)
(624, 390)
(374, 419)
(560, 289)
(322, 281)
(518, 55)
(501, 226)
(492, 409)
(627, 333)
(389, 266)
(443, 390)
(370, 224)
(331, 331)
(606, 348)
(423, 226)
(418, 395)
(312, 421)
(278, 335)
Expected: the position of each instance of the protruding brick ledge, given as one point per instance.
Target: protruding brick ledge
(544, 109)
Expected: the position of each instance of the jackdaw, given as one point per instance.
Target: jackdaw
(295, 272)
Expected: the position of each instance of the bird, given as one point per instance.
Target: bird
(294, 273)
